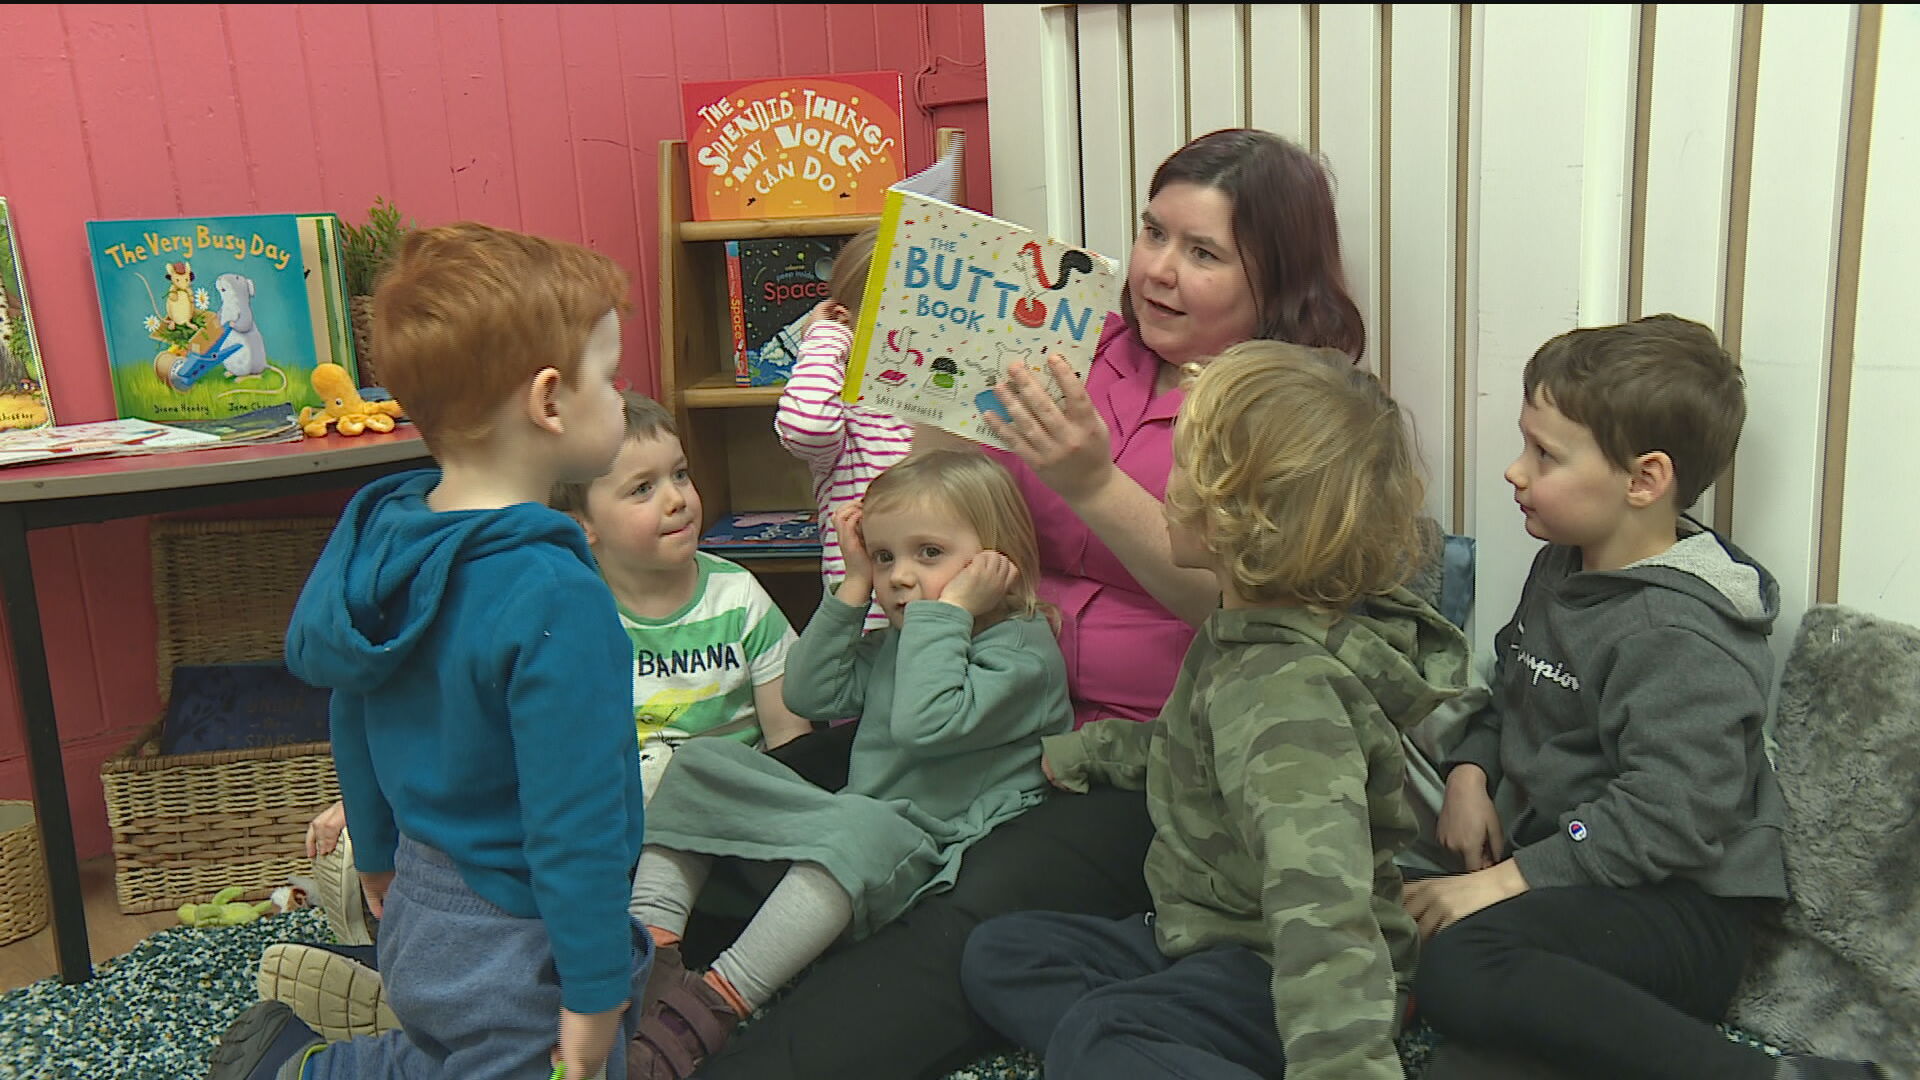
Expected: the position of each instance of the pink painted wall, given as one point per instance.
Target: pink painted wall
(546, 119)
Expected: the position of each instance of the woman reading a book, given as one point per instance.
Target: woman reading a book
(1237, 241)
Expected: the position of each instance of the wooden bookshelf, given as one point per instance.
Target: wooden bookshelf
(736, 461)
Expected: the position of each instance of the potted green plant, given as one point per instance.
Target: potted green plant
(365, 250)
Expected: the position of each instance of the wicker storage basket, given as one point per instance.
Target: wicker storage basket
(23, 876)
(186, 826)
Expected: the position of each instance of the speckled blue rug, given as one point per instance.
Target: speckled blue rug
(155, 1013)
(152, 1014)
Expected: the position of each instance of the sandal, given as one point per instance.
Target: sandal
(688, 1022)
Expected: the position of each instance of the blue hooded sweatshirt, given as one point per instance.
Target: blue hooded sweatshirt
(482, 705)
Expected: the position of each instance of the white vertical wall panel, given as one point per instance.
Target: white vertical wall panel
(1277, 51)
(1606, 173)
(1696, 54)
(1035, 151)
(1422, 88)
(1106, 131)
(1879, 533)
(1532, 65)
(1216, 68)
(1159, 87)
(1786, 326)
(1060, 99)
(1350, 143)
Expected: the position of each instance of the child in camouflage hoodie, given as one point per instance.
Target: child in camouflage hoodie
(1274, 776)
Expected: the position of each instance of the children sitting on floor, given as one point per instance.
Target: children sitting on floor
(845, 445)
(954, 696)
(1602, 926)
(1274, 774)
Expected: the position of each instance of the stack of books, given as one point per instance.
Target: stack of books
(764, 534)
(124, 438)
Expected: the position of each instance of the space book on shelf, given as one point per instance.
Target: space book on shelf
(763, 533)
(956, 298)
(23, 374)
(211, 317)
(772, 285)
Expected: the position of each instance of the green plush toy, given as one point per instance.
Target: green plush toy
(224, 911)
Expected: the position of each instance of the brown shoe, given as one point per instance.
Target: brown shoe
(668, 970)
(683, 1022)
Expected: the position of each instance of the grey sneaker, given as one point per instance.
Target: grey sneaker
(332, 993)
(338, 894)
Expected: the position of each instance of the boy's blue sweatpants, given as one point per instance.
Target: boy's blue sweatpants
(474, 987)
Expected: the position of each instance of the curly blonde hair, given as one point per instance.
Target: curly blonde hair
(1298, 473)
(978, 491)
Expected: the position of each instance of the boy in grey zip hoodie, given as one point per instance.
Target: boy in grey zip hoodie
(1625, 731)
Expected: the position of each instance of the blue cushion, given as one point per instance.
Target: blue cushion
(240, 707)
(1456, 579)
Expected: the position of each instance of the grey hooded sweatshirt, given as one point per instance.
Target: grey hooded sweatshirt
(1626, 714)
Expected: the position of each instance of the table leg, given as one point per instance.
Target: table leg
(44, 762)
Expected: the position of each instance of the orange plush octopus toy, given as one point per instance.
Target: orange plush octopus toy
(345, 410)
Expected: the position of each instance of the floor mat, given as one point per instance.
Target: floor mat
(152, 1014)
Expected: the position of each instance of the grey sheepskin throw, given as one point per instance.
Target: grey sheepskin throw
(1839, 973)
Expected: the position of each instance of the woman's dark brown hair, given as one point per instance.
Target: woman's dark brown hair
(1284, 226)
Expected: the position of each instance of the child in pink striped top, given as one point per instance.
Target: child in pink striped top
(845, 446)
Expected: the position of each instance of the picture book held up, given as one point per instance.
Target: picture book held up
(955, 299)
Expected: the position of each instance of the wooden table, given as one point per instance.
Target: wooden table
(103, 489)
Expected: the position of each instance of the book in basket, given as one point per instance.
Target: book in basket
(211, 317)
(955, 299)
(23, 374)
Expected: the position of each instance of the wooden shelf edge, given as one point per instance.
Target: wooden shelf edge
(755, 228)
(779, 564)
(719, 392)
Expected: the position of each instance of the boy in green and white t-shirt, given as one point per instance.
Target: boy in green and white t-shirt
(695, 671)
(709, 646)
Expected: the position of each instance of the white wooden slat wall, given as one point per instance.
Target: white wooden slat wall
(1217, 59)
(1530, 91)
(1879, 569)
(1423, 91)
(1689, 168)
(1278, 58)
(1594, 183)
(1349, 127)
(1793, 224)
